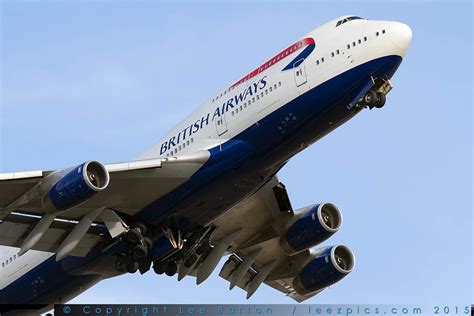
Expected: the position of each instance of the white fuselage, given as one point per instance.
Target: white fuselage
(352, 43)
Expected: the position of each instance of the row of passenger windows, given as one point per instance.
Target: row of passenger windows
(6, 262)
(222, 93)
(180, 147)
(256, 98)
(250, 101)
(353, 44)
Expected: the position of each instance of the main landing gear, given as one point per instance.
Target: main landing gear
(195, 248)
(138, 247)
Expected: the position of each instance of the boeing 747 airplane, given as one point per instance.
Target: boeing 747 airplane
(209, 188)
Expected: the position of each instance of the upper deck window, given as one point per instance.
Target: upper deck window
(347, 20)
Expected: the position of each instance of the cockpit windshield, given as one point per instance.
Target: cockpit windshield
(347, 20)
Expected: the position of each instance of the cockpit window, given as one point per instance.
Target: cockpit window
(347, 20)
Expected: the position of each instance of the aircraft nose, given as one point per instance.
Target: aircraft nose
(401, 35)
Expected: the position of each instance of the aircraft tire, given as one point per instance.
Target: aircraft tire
(159, 267)
(370, 98)
(133, 236)
(380, 100)
(139, 252)
(121, 263)
(132, 267)
(171, 268)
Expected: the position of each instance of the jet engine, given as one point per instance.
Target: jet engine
(326, 267)
(311, 226)
(75, 186)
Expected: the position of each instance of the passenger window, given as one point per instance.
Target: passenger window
(257, 97)
(332, 54)
(261, 94)
(365, 38)
(337, 51)
(322, 60)
(253, 100)
(275, 86)
(377, 34)
(317, 62)
(353, 44)
(279, 83)
(266, 91)
(270, 89)
(360, 41)
(383, 31)
(241, 108)
(348, 46)
(236, 111)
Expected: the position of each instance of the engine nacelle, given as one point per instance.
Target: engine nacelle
(328, 266)
(314, 225)
(75, 186)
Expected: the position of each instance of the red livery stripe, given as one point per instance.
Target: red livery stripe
(280, 56)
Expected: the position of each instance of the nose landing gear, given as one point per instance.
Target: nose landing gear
(374, 99)
(376, 96)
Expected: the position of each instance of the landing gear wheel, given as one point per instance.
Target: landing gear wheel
(203, 248)
(171, 268)
(190, 261)
(121, 263)
(141, 227)
(370, 98)
(139, 252)
(132, 267)
(159, 267)
(380, 100)
(133, 236)
(148, 243)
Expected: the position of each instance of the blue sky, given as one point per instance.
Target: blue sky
(105, 80)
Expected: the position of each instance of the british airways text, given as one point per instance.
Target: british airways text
(204, 121)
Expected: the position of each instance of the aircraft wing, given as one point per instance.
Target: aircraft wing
(251, 233)
(132, 186)
(263, 218)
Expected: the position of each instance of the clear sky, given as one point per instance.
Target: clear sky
(105, 80)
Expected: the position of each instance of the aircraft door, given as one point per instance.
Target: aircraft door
(299, 72)
(221, 125)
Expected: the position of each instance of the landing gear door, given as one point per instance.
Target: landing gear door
(299, 72)
(221, 125)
